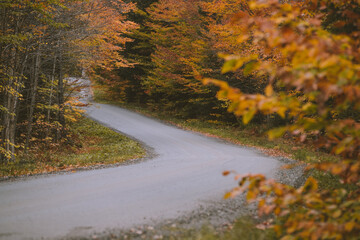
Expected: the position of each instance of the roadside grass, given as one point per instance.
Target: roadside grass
(93, 145)
(244, 228)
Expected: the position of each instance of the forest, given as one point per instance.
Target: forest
(293, 66)
(41, 43)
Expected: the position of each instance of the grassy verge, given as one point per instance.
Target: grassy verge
(92, 145)
(243, 229)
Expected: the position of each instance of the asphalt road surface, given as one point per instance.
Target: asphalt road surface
(183, 173)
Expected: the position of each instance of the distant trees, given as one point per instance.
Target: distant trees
(177, 41)
(182, 51)
(40, 43)
(126, 83)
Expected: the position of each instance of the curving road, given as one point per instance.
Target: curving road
(184, 173)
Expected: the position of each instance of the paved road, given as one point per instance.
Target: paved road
(184, 174)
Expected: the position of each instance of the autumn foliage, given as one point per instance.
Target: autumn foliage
(41, 43)
(293, 61)
(297, 62)
(310, 56)
(177, 41)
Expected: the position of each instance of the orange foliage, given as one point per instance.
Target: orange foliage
(106, 26)
(310, 56)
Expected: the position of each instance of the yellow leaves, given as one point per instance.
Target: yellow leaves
(337, 213)
(310, 185)
(281, 111)
(251, 194)
(227, 195)
(308, 107)
(233, 63)
(222, 84)
(337, 169)
(261, 203)
(276, 132)
(254, 5)
(277, 211)
(286, 7)
(250, 67)
(290, 230)
(269, 90)
(243, 38)
(355, 168)
(329, 62)
(344, 144)
(322, 70)
(236, 191)
(349, 226)
(278, 191)
(248, 115)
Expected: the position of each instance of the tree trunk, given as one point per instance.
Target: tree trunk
(60, 97)
(33, 92)
(6, 124)
(52, 77)
(11, 96)
(13, 118)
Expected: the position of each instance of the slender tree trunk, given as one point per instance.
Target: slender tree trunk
(60, 97)
(13, 97)
(8, 53)
(15, 105)
(6, 137)
(52, 77)
(33, 93)
(12, 118)
(10, 100)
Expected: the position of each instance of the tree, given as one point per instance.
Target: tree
(127, 83)
(181, 52)
(316, 74)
